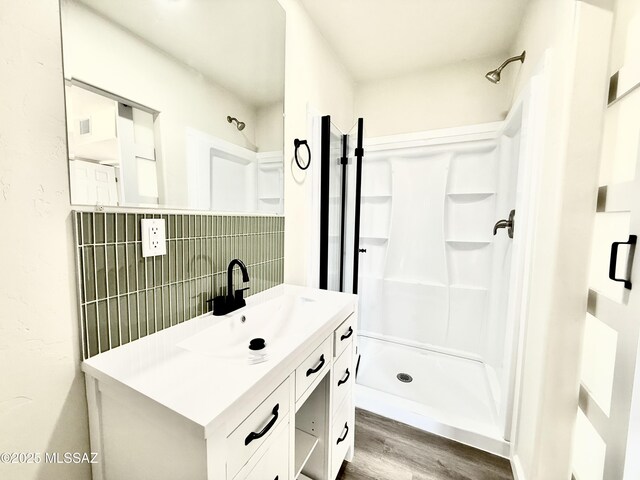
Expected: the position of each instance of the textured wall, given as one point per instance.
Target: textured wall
(42, 402)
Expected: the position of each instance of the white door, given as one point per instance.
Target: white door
(607, 432)
(93, 184)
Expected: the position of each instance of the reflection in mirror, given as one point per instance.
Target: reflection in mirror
(175, 103)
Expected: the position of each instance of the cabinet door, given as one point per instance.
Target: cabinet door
(342, 435)
(274, 464)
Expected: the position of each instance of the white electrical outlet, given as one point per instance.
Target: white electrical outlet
(154, 237)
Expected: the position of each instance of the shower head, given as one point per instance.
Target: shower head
(239, 125)
(494, 75)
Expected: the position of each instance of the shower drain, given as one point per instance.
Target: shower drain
(405, 377)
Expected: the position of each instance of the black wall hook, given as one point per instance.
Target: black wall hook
(296, 144)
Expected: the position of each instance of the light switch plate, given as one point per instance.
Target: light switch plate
(154, 237)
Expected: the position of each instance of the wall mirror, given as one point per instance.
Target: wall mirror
(175, 103)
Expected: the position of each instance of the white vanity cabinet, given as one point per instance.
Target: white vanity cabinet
(160, 411)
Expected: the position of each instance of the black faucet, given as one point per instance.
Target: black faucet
(234, 300)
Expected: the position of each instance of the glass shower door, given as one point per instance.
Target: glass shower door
(341, 165)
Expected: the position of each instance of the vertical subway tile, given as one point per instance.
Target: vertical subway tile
(171, 227)
(103, 325)
(114, 321)
(164, 263)
(198, 226)
(179, 229)
(92, 329)
(81, 275)
(142, 314)
(166, 307)
(121, 228)
(140, 269)
(125, 327)
(101, 272)
(137, 229)
(192, 225)
(110, 228)
(159, 306)
(134, 316)
(151, 312)
(157, 271)
(173, 303)
(87, 228)
(179, 260)
(124, 296)
(99, 228)
(77, 229)
(111, 268)
(89, 273)
(130, 227)
(179, 303)
(171, 261)
(123, 267)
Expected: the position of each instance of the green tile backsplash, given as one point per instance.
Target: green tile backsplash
(124, 296)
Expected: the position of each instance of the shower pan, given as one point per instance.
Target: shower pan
(408, 225)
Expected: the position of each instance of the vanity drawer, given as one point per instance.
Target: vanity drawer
(313, 367)
(343, 375)
(274, 464)
(342, 432)
(343, 335)
(243, 442)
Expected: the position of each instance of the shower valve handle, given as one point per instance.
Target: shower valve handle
(508, 224)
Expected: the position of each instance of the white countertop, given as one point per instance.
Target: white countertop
(201, 387)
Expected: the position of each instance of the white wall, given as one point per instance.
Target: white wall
(313, 77)
(94, 47)
(448, 96)
(270, 127)
(547, 393)
(42, 403)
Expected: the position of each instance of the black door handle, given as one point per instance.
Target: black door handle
(254, 436)
(362, 250)
(613, 260)
(347, 335)
(343, 437)
(344, 380)
(311, 371)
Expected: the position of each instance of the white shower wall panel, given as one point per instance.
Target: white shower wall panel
(427, 219)
(416, 249)
(404, 311)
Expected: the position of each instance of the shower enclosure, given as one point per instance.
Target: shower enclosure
(408, 225)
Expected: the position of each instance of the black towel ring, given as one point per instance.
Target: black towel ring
(296, 144)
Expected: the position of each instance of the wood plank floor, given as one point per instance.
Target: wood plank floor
(389, 450)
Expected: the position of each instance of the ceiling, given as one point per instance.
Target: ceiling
(378, 39)
(237, 44)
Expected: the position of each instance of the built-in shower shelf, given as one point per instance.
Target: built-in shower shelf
(470, 196)
(468, 243)
(269, 199)
(375, 238)
(378, 196)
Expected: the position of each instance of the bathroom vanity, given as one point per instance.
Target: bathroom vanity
(194, 402)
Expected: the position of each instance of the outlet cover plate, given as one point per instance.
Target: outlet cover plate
(154, 237)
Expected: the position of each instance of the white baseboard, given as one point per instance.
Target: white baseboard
(516, 467)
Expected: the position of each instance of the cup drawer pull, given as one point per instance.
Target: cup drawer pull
(254, 436)
(318, 367)
(347, 335)
(344, 436)
(344, 380)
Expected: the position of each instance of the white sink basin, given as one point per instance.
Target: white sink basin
(277, 321)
